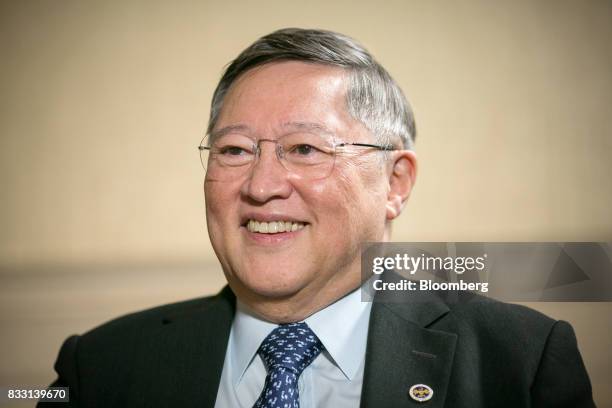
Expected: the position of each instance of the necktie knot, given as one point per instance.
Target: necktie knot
(291, 346)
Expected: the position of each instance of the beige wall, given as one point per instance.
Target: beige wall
(103, 104)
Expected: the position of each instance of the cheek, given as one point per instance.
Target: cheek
(219, 205)
(349, 207)
(329, 202)
(365, 201)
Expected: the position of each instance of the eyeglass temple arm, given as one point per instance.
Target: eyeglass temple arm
(385, 147)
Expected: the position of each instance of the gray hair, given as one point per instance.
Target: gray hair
(373, 97)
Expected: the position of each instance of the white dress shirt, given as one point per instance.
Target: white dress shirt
(333, 379)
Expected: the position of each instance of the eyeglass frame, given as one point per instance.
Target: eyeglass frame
(257, 150)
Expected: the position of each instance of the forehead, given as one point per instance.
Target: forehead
(267, 97)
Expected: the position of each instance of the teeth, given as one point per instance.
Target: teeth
(274, 227)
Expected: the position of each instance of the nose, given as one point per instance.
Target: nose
(268, 179)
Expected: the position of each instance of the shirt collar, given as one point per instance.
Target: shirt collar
(248, 331)
(342, 327)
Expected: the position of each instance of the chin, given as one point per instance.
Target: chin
(273, 283)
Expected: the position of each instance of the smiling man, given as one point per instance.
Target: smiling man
(308, 156)
(288, 208)
(295, 183)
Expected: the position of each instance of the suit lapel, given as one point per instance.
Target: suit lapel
(402, 352)
(188, 353)
(215, 337)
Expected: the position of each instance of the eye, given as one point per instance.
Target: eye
(304, 149)
(232, 151)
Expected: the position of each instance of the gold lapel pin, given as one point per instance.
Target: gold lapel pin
(420, 392)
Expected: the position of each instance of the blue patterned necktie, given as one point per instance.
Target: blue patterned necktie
(286, 352)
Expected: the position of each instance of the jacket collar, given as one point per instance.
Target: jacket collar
(199, 338)
(403, 351)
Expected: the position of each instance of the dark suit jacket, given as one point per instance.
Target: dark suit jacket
(472, 353)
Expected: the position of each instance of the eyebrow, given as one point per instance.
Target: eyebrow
(229, 129)
(312, 127)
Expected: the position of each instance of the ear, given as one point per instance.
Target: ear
(402, 177)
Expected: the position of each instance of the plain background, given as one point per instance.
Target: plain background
(104, 103)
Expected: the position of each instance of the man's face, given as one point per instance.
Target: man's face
(334, 215)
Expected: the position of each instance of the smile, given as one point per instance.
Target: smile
(273, 227)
